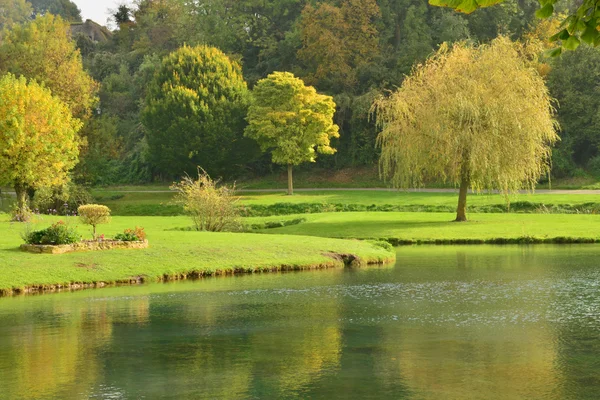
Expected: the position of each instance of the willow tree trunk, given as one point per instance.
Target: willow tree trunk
(461, 210)
(290, 181)
(21, 192)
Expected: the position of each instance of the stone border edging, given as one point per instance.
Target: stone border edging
(83, 246)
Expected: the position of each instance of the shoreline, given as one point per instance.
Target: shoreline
(337, 261)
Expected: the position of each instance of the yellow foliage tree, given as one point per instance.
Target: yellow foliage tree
(291, 120)
(38, 137)
(42, 49)
(478, 117)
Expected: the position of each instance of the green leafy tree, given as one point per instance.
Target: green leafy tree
(43, 50)
(65, 8)
(38, 137)
(291, 120)
(338, 40)
(574, 80)
(478, 117)
(14, 12)
(194, 114)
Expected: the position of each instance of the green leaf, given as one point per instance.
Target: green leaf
(589, 35)
(553, 52)
(545, 11)
(580, 26)
(572, 24)
(559, 35)
(564, 35)
(572, 43)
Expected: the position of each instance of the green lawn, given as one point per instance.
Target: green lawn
(171, 253)
(429, 227)
(160, 203)
(404, 198)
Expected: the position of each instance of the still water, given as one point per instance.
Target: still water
(454, 322)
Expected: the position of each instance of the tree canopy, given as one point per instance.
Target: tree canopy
(42, 49)
(581, 24)
(478, 117)
(194, 114)
(349, 49)
(38, 136)
(14, 12)
(65, 8)
(291, 120)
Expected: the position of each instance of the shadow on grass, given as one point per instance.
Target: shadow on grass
(357, 227)
(12, 250)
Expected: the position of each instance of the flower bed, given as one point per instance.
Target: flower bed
(84, 246)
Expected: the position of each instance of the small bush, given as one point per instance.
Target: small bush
(94, 214)
(277, 224)
(132, 235)
(211, 207)
(61, 200)
(57, 234)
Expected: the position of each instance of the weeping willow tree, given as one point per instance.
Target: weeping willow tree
(477, 117)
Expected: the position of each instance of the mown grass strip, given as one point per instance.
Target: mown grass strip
(438, 228)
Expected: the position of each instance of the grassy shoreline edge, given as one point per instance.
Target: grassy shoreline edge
(338, 260)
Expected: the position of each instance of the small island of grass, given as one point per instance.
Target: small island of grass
(173, 255)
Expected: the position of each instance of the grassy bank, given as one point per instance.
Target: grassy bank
(264, 204)
(404, 228)
(172, 255)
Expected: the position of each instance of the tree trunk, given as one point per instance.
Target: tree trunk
(461, 210)
(290, 181)
(21, 197)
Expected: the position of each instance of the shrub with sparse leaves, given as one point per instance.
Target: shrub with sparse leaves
(94, 214)
(211, 206)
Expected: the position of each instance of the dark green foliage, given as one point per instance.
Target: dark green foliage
(57, 234)
(265, 36)
(61, 200)
(194, 114)
(277, 224)
(574, 81)
(65, 8)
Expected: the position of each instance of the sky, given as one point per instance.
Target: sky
(97, 10)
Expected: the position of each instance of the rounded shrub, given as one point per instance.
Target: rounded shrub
(94, 214)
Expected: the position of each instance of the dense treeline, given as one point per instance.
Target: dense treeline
(353, 50)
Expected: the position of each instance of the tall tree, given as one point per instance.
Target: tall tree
(14, 12)
(478, 117)
(65, 8)
(38, 137)
(194, 114)
(291, 120)
(338, 40)
(43, 50)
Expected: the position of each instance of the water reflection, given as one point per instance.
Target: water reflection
(445, 322)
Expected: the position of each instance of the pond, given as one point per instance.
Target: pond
(454, 322)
